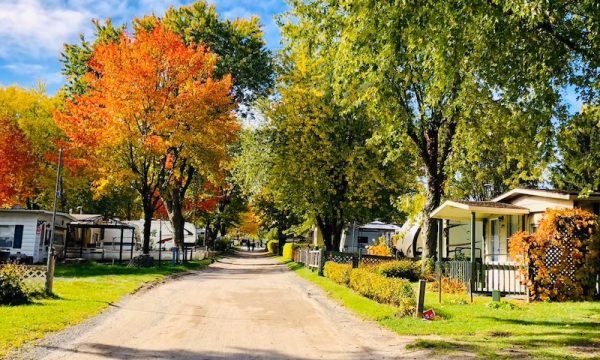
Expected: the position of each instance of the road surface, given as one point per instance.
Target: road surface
(242, 307)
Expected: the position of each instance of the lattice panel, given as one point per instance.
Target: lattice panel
(340, 258)
(554, 257)
(370, 260)
(35, 278)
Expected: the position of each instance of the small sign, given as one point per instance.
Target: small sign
(429, 314)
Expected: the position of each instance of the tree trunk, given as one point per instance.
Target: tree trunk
(175, 201)
(336, 238)
(282, 240)
(175, 211)
(328, 233)
(429, 228)
(148, 214)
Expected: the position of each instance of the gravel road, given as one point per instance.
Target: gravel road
(243, 307)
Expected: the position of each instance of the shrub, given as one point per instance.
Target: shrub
(289, 248)
(427, 272)
(381, 249)
(340, 273)
(288, 251)
(273, 246)
(450, 286)
(405, 269)
(561, 257)
(384, 290)
(222, 244)
(12, 288)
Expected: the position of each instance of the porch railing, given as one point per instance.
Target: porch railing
(504, 277)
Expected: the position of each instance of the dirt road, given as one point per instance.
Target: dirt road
(243, 307)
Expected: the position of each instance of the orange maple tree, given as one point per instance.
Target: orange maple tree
(154, 117)
(17, 165)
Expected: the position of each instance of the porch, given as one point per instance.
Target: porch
(100, 239)
(473, 244)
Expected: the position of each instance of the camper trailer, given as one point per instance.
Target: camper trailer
(25, 234)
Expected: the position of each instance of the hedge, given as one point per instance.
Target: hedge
(288, 251)
(405, 269)
(393, 291)
(273, 246)
(340, 273)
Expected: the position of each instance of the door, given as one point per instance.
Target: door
(495, 238)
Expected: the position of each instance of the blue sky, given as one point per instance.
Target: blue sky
(32, 32)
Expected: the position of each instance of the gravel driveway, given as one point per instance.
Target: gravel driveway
(243, 307)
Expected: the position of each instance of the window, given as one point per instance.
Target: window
(363, 240)
(18, 237)
(11, 236)
(513, 225)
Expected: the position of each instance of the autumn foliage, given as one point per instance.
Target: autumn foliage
(17, 165)
(562, 256)
(154, 117)
(381, 249)
(150, 93)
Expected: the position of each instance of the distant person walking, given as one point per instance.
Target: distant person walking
(253, 245)
(248, 244)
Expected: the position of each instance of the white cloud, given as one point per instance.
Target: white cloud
(32, 32)
(29, 28)
(24, 68)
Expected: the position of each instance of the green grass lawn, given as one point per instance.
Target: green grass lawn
(82, 291)
(538, 330)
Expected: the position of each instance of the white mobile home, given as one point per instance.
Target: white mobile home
(161, 232)
(26, 233)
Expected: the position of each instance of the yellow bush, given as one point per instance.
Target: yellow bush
(288, 251)
(381, 249)
(393, 291)
(449, 286)
(273, 246)
(405, 269)
(340, 273)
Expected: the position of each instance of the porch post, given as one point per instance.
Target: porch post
(483, 240)
(121, 248)
(440, 236)
(483, 253)
(131, 254)
(473, 264)
(447, 237)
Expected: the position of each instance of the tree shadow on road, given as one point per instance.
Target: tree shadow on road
(123, 352)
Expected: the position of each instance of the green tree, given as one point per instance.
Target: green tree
(239, 43)
(579, 146)
(252, 171)
(315, 152)
(431, 70)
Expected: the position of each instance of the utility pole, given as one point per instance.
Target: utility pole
(159, 241)
(50, 265)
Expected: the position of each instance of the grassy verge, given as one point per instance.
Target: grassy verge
(82, 291)
(512, 329)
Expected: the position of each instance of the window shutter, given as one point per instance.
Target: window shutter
(18, 237)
